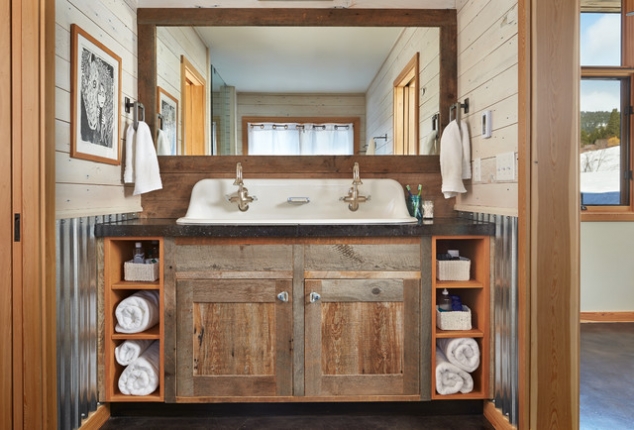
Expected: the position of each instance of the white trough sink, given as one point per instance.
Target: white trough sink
(209, 203)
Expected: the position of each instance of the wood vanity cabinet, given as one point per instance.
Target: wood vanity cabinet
(298, 320)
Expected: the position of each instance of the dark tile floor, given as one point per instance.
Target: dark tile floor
(607, 376)
(348, 416)
(308, 422)
(607, 395)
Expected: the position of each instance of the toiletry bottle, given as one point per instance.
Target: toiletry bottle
(444, 302)
(139, 255)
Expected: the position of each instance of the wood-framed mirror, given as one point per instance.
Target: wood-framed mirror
(445, 20)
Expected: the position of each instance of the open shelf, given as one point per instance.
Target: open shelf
(116, 252)
(151, 333)
(473, 293)
(131, 285)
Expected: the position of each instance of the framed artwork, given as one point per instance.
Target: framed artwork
(168, 109)
(95, 100)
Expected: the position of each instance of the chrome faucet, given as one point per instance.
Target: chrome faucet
(242, 196)
(353, 198)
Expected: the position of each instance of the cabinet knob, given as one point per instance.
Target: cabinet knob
(313, 297)
(283, 296)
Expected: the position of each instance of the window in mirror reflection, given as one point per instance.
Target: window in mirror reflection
(279, 138)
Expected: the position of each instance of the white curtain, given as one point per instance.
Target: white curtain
(300, 139)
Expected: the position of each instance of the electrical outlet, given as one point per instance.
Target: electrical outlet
(476, 171)
(505, 166)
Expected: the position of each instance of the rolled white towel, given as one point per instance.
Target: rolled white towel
(130, 350)
(462, 352)
(449, 378)
(138, 312)
(141, 377)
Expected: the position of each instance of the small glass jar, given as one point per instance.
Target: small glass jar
(414, 206)
(428, 209)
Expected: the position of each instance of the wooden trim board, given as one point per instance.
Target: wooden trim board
(585, 317)
(496, 418)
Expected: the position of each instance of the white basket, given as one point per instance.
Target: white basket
(453, 270)
(140, 272)
(454, 320)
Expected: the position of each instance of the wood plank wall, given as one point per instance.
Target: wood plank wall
(84, 187)
(181, 173)
(171, 43)
(302, 105)
(488, 76)
(380, 115)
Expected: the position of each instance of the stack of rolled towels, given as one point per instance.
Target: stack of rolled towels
(455, 360)
(141, 358)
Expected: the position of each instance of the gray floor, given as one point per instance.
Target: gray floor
(607, 376)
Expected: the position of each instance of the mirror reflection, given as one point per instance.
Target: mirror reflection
(302, 90)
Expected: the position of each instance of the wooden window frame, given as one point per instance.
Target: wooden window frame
(626, 70)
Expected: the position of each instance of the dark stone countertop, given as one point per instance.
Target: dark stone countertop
(155, 227)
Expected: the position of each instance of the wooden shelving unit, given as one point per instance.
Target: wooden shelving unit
(474, 293)
(116, 252)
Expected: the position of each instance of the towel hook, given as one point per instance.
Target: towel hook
(434, 121)
(161, 119)
(136, 106)
(457, 106)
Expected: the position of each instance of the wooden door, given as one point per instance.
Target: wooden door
(6, 230)
(193, 90)
(362, 337)
(235, 337)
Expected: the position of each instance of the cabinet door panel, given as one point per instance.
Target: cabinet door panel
(238, 338)
(362, 337)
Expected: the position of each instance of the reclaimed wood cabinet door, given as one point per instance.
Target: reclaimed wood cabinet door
(235, 337)
(362, 337)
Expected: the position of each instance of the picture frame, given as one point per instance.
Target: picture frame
(167, 107)
(95, 100)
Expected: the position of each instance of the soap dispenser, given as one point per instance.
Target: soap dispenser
(444, 303)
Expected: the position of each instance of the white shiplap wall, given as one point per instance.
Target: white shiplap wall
(380, 93)
(172, 43)
(302, 105)
(488, 76)
(85, 188)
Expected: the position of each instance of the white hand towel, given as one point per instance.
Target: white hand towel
(462, 352)
(138, 312)
(130, 350)
(429, 144)
(146, 168)
(466, 150)
(371, 149)
(128, 174)
(451, 154)
(451, 379)
(141, 377)
(163, 144)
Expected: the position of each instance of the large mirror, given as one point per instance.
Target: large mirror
(257, 81)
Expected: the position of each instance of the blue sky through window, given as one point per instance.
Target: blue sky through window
(600, 43)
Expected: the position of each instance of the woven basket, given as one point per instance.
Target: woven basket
(140, 272)
(454, 320)
(453, 270)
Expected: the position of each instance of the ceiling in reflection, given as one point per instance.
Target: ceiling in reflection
(299, 59)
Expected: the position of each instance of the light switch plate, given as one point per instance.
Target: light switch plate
(505, 166)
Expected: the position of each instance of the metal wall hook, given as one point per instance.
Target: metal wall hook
(456, 107)
(135, 106)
